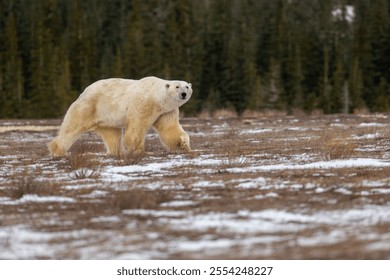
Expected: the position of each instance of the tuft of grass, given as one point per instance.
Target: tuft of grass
(130, 158)
(225, 113)
(27, 185)
(335, 144)
(232, 162)
(139, 199)
(204, 115)
(263, 113)
(23, 186)
(82, 156)
(5, 241)
(84, 173)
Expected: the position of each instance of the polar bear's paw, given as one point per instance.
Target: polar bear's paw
(55, 150)
(184, 143)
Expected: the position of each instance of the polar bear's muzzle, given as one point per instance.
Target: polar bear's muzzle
(183, 95)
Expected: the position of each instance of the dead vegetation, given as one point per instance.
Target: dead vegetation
(201, 198)
(138, 199)
(335, 144)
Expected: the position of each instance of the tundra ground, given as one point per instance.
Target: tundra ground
(270, 187)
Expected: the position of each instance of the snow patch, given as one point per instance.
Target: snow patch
(178, 203)
(154, 213)
(39, 199)
(371, 125)
(347, 163)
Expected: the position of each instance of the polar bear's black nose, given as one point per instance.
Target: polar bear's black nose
(183, 95)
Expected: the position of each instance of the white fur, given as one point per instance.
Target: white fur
(108, 106)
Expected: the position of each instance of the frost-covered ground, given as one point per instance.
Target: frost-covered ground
(274, 187)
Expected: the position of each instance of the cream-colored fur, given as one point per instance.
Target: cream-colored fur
(109, 106)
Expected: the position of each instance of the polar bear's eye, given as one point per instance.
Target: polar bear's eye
(177, 86)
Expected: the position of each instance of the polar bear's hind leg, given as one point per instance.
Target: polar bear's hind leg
(61, 144)
(134, 138)
(112, 138)
(55, 149)
(72, 127)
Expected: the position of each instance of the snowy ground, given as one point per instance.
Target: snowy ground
(273, 187)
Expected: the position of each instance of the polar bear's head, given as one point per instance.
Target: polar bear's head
(179, 91)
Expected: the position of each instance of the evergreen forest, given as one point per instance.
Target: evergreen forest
(331, 56)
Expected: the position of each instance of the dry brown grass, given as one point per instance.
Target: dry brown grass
(84, 173)
(225, 113)
(83, 155)
(232, 162)
(130, 158)
(335, 144)
(246, 143)
(138, 199)
(22, 187)
(263, 113)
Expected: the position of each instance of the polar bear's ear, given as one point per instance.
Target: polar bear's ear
(167, 86)
(190, 84)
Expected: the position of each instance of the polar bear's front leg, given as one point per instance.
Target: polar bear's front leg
(184, 143)
(172, 135)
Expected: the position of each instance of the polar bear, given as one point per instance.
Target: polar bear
(111, 105)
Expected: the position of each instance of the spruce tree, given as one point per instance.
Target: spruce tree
(12, 82)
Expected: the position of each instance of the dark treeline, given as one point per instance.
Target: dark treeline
(332, 56)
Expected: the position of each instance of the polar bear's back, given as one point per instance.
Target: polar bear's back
(117, 87)
(113, 86)
(106, 101)
(111, 101)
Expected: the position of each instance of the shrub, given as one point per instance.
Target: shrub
(335, 144)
